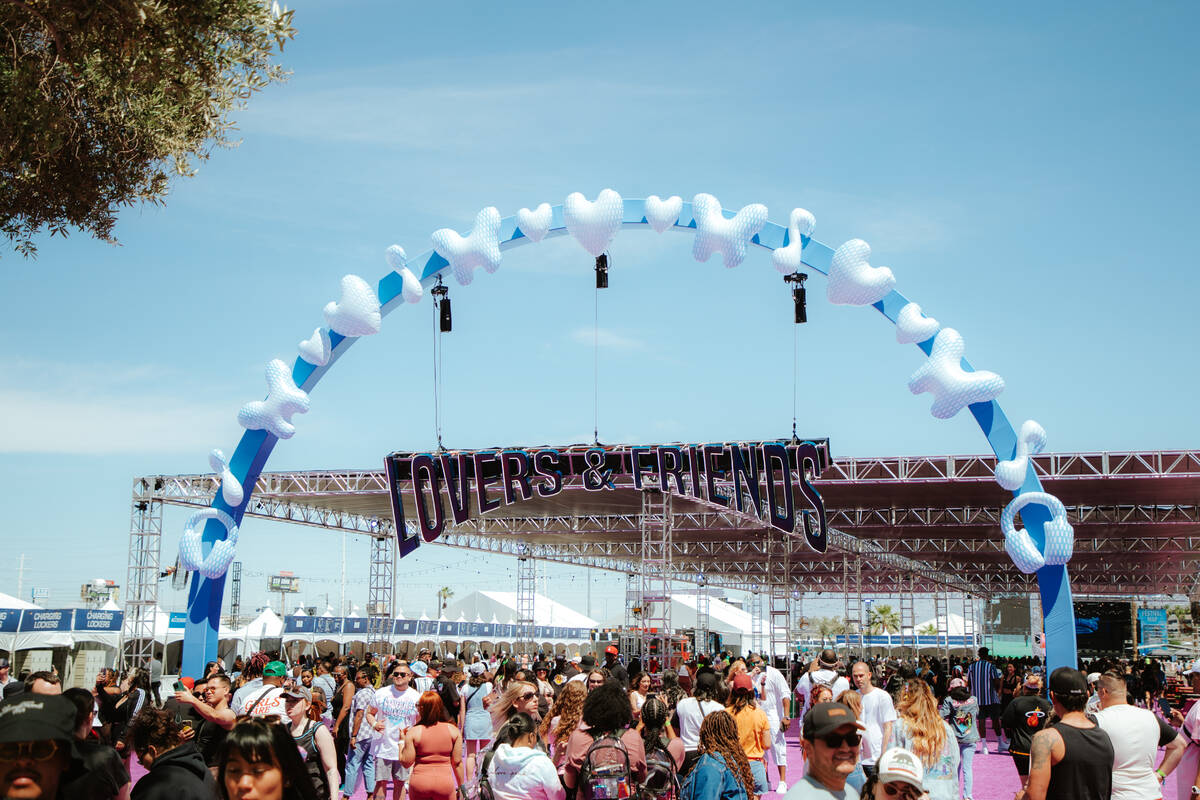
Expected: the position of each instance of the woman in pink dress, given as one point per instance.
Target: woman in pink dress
(433, 748)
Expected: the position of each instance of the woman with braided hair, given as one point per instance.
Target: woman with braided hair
(722, 773)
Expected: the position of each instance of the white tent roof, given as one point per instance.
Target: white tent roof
(266, 624)
(8, 601)
(110, 605)
(952, 621)
(503, 605)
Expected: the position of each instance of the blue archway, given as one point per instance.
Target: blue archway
(1044, 546)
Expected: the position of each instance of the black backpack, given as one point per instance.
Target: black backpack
(605, 773)
(482, 789)
(662, 779)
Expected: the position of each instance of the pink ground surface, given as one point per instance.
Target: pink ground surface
(995, 776)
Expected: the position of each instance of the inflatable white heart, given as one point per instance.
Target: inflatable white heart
(852, 279)
(912, 326)
(662, 214)
(356, 312)
(594, 224)
(317, 348)
(535, 224)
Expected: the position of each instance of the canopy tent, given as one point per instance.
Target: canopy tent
(733, 624)
(501, 607)
(8, 601)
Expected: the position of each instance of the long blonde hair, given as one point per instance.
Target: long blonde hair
(852, 700)
(503, 706)
(926, 731)
(568, 708)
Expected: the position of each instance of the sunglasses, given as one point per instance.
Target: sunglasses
(527, 696)
(835, 740)
(42, 750)
(902, 790)
(399, 674)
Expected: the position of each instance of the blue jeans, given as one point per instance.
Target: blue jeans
(759, 770)
(359, 758)
(966, 751)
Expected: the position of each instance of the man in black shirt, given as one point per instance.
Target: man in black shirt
(96, 771)
(614, 666)
(1023, 717)
(447, 691)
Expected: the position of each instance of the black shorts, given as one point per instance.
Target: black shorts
(1021, 762)
(990, 711)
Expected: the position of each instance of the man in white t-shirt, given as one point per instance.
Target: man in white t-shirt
(821, 672)
(1189, 730)
(1136, 735)
(392, 714)
(267, 700)
(772, 689)
(878, 716)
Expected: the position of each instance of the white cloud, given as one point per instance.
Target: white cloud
(605, 338)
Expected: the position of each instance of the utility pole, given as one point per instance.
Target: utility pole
(21, 577)
(343, 573)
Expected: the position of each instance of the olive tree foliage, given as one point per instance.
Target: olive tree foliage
(103, 101)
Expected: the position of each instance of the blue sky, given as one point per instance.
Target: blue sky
(1027, 174)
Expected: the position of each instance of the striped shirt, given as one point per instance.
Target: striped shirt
(980, 677)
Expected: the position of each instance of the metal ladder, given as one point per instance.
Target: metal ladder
(908, 612)
(852, 582)
(941, 618)
(970, 627)
(658, 638)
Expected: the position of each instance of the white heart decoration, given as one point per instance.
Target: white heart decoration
(191, 545)
(912, 326)
(790, 258)
(356, 312)
(231, 487)
(397, 259)
(1031, 440)
(852, 279)
(594, 224)
(662, 214)
(535, 224)
(317, 348)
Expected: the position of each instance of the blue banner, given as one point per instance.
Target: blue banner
(1152, 627)
(177, 620)
(327, 626)
(10, 620)
(37, 620)
(96, 620)
(405, 627)
(354, 626)
(298, 624)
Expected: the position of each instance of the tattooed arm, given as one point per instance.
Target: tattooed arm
(1041, 758)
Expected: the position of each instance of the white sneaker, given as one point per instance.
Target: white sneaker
(781, 788)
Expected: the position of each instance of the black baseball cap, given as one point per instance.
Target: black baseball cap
(1068, 681)
(588, 662)
(37, 717)
(825, 718)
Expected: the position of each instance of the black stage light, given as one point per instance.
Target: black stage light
(441, 296)
(602, 271)
(799, 295)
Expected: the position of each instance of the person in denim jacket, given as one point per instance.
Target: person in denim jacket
(722, 772)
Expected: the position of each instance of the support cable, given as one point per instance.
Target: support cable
(795, 374)
(437, 377)
(596, 368)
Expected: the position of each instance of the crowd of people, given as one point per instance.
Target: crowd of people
(511, 728)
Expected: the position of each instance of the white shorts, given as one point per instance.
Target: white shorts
(388, 769)
(778, 744)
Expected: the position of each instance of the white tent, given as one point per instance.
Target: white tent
(8, 601)
(954, 622)
(499, 606)
(732, 623)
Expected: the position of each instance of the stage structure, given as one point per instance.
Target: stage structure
(1135, 516)
(209, 541)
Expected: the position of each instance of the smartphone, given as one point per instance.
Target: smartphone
(179, 687)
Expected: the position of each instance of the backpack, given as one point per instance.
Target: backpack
(662, 779)
(605, 773)
(482, 788)
(312, 760)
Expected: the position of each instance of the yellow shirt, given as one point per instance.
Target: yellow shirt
(753, 727)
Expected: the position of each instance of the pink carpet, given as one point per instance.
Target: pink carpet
(995, 776)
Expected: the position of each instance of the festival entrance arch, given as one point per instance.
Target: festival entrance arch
(1044, 546)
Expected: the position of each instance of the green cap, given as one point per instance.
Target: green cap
(275, 669)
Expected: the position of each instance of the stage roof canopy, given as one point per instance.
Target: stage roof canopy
(914, 523)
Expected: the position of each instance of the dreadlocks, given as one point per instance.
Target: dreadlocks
(719, 735)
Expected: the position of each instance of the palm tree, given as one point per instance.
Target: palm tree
(827, 627)
(883, 619)
(929, 629)
(443, 594)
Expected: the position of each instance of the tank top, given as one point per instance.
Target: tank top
(1085, 773)
(335, 706)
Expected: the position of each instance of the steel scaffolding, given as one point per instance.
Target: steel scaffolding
(852, 580)
(381, 590)
(526, 596)
(941, 620)
(235, 595)
(969, 627)
(631, 638)
(908, 614)
(141, 585)
(657, 576)
(703, 618)
(781, 595)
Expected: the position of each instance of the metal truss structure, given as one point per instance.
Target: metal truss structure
(381, 594)
(526, 595)
(921, 525)
(141, 585)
